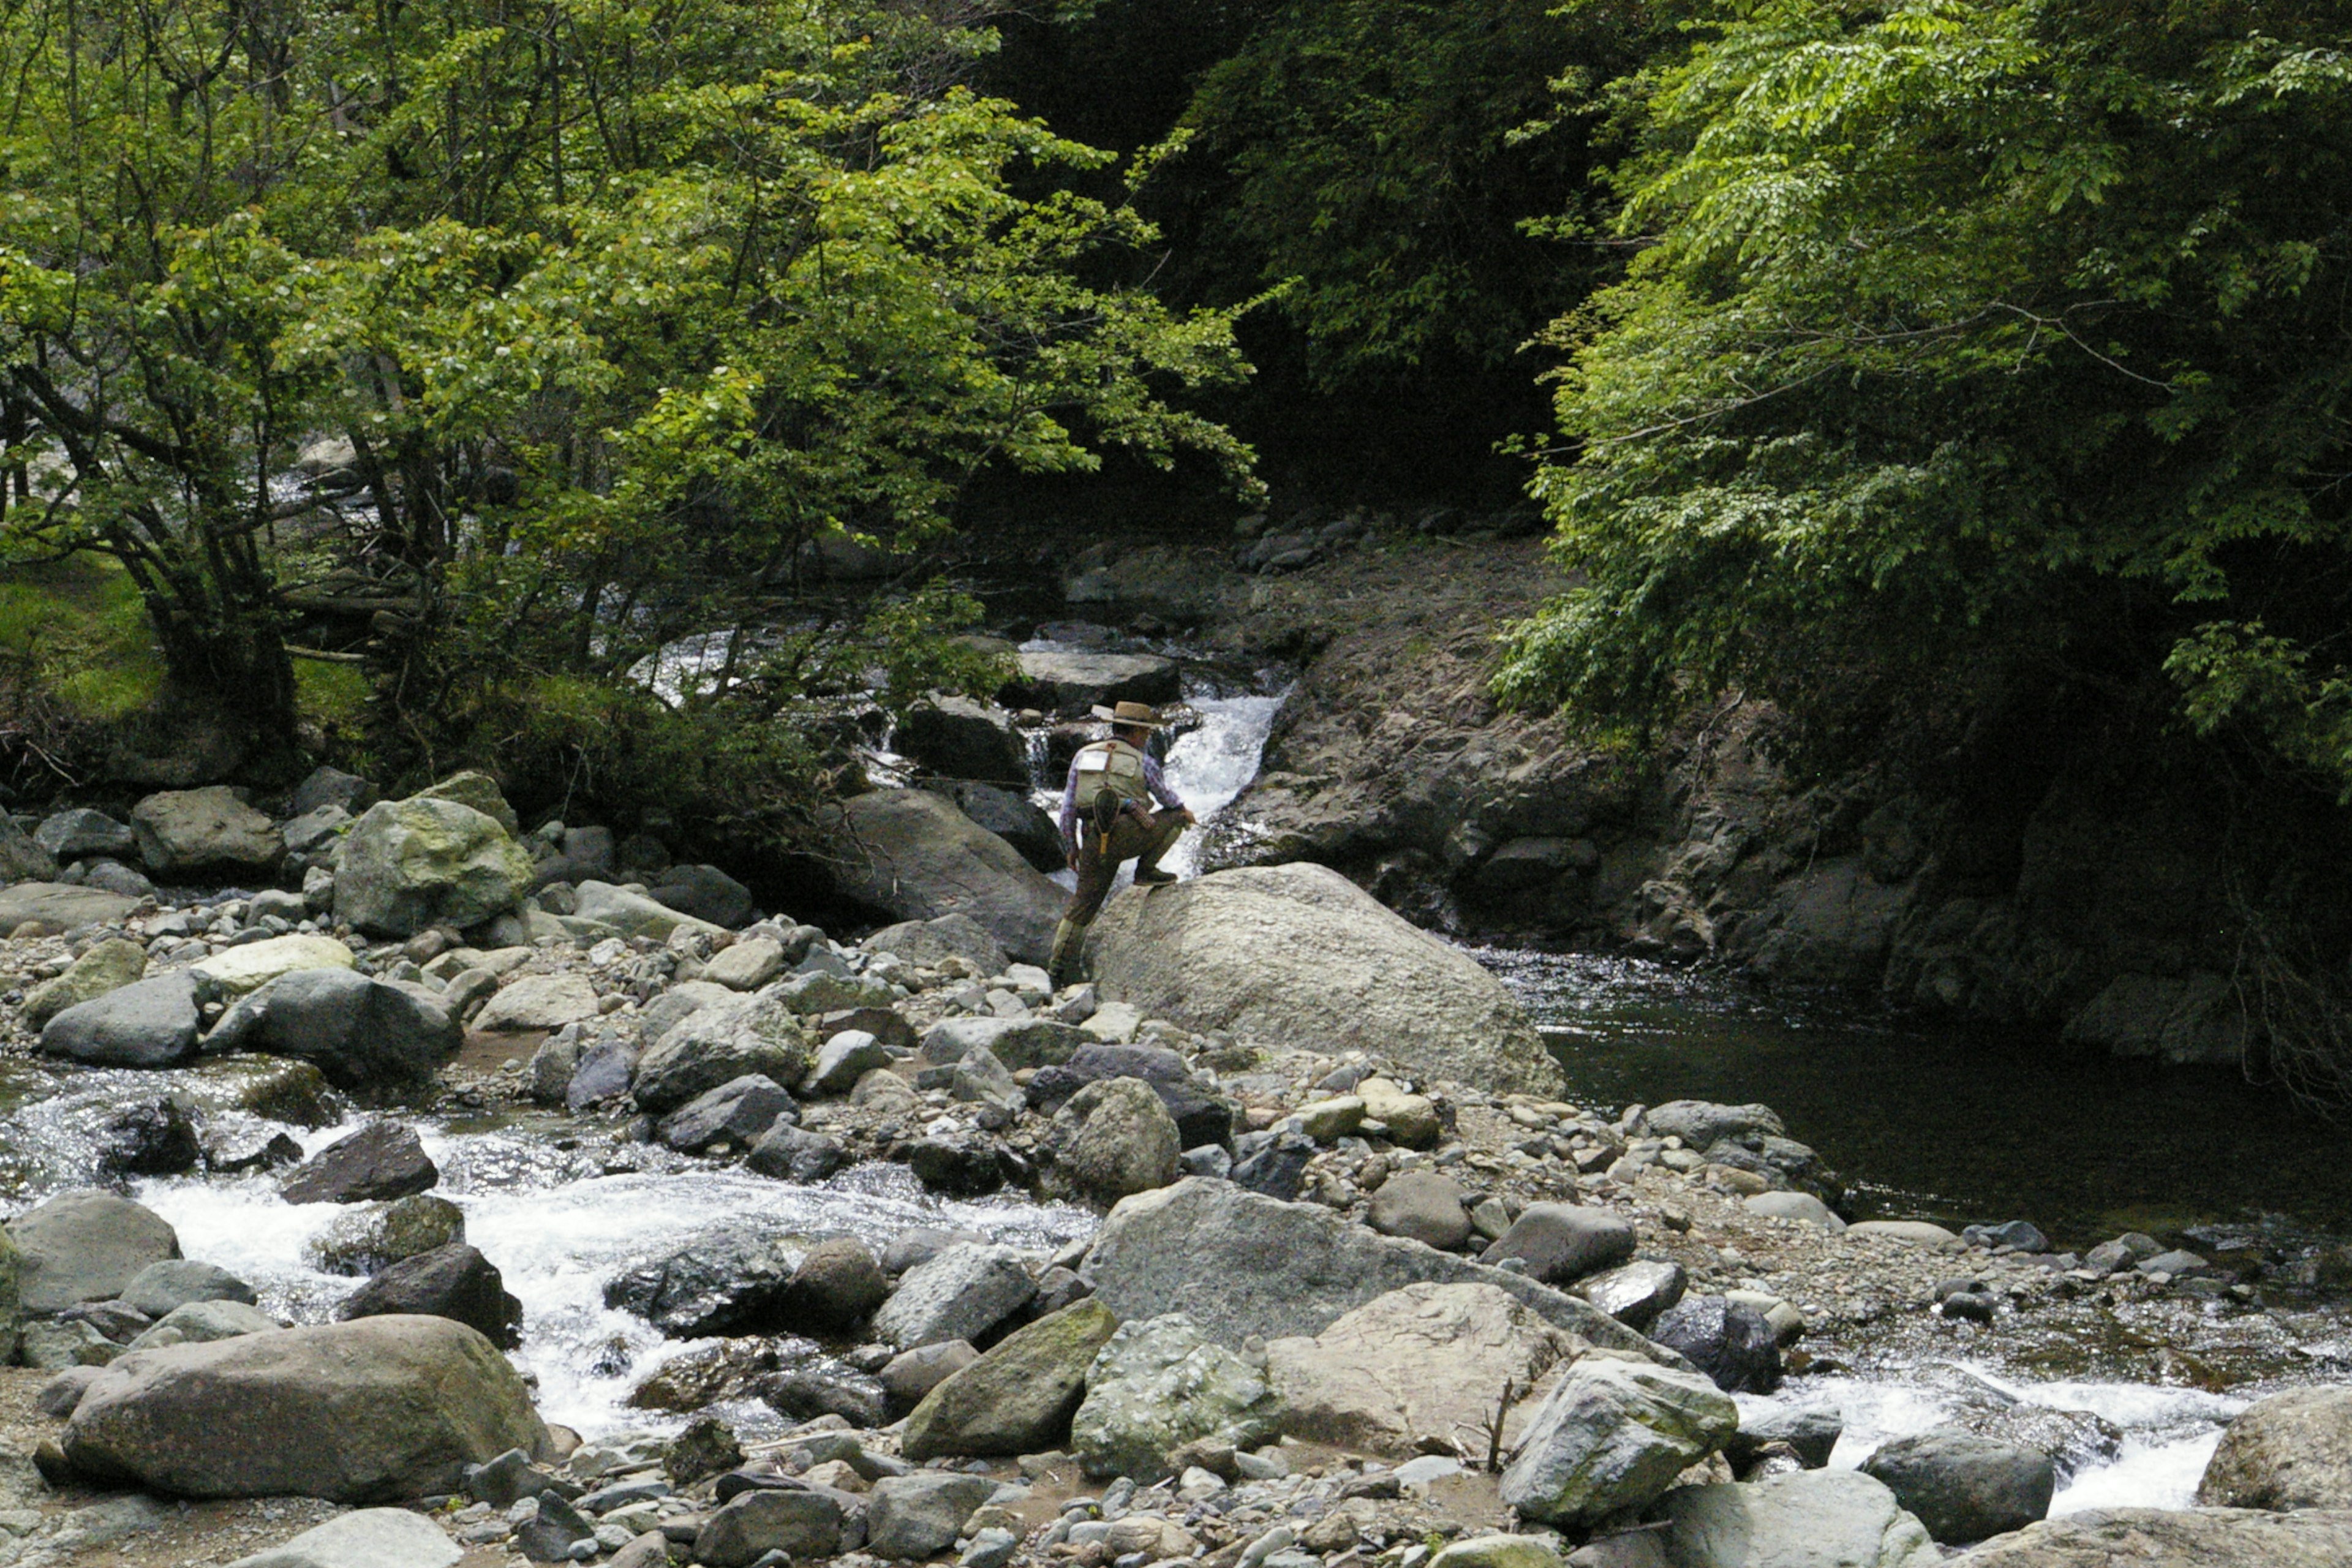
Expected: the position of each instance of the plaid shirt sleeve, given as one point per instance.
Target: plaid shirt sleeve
(1159, 786)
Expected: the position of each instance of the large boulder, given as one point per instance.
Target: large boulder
(362, 1032)
(367, 1538)
(1562, 1243)
(408, 865)
(380, 1410)
(478, 790)
(1806, 1518)
(634, 915)
(912, 853)
(949, 936)
(1013, 817)
(1160, 1383)
(109, 965)
(1246, 1264)
(86, 1246)
(60, 906)
(705, 893)
(1112, 1139)
(380, 1162)
(957, 738)
(454, 1281)
(960, 1293)
(2164, 1538)
(760, 1035)
(1301, 955)
(149, 1023)
(1071, 685)
(1426, 1362)
(2290, 1450)
(1613, 1435)
(183, 832)
(1965, 1488)
(1020, 1396)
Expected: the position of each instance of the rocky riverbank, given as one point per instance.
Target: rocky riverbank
(1365, 1287)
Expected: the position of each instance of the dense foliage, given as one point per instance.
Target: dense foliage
(615, 309)
(1972, 343)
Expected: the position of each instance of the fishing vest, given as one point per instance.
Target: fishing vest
(1112, 765)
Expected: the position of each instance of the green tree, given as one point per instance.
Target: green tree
(1971, 342)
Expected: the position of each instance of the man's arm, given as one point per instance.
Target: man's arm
(1158, 786)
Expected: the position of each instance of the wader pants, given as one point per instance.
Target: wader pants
(1142, 839)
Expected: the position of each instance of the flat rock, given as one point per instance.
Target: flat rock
(61, 907)
(1910, 1233)
(237, 970)
(366, 1538)
(1835, 1519)
(1299, 954)
(1795, 1205)
(1071, 685)
(542, 1002)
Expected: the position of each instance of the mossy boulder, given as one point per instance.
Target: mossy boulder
(108, 966)
(1020, 1396)
(408, 865)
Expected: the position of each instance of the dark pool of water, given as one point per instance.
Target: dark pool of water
(1956, 1124)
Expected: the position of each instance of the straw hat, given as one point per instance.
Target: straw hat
(1141, 715)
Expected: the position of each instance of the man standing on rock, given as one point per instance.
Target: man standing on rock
(1108, 818)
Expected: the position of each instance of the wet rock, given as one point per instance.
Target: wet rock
(106, 966)
(1729, 1341)
(1113, 1140)
(1562, 1243)
(705, 893)
(962, 740)
(826, 1387)
(801, 1524)
(1298, 953)
(1246, 1264)
(368, 1538)
(382, 1409)
(362, 1032)
(1964, 1488)
(926, 943)
(913, 854)
(2290, 1450)
(759, 1035)
(407, 866)
(837, 1284)
(370, 1240)
(737, 1112)
(149, 1138)
(1160, 1383)
(2076, 1440)
(85, 1246)
(704, 1447)
(1635, 1293)
(2189, 1538)
(151, 1024)
(205, 1322)
(959, 1294)
(383, 1159)
(1811, 1432)
(1839, 1517)
(1019, 1398)
(1072, 685)
(542, 1002)
(159, 1287)
(793, 1153)
(908, 1376)
(721, 1282)
(185, 833)
(453, 1281)
(1613, 1435)
(1423, 1206)
(1426, 1362)
(915, 1515)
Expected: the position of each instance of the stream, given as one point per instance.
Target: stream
(1957, 1125)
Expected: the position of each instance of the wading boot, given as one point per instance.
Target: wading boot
(1152, 876)
(1062, 968)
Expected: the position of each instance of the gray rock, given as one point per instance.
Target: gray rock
(634, 915)
(2290, 1450)
(1013, 817)
(555, 1529)
(917, 1244)
(1635, 1293)
(926, 943)
(802, 1524)
(1423, 1206)
(757, 1034)
(454, 1281)
(58, 1396)
(151, 1024)
(381, 1160)
(1700, 1122)
(2021, 1233)
(204, 1323)
(909, 1517)
(1729, 1341)
(1812, 1517)
(2187, 1538)
(913, 854)
(1795, 1205)
(747, 966)
(382, 1409)
(1964, 1488)
(1071, 685)
(1562, 1243)
(1018, 1398)
(1160, 1383)
(318, 830)
(814, 993)
(1812, 1431)
(842, 1060)
(981, 1079)
(363, 1033)
(407, 866)
(720, 1282)
(823, 1386)
(1916, 1233)
(175, 1282)
(59, 907)
(1246, 1264)
(1112, 1139)
(912, 1374)
(23, 859)
(367, 1538)
(835, 1285)
(85, 1246)
(793, 1153)
(183, 833)
(1298, 953)
(80, 834)
(56, 1344)
(113, 878)
(957, 738)
(1016, 1042)
(705, 893)
(1613, 1435)
(330, 787)
(540, 1002)
(737, 1112)
(959, 1294)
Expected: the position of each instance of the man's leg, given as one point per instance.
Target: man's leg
(1096, 869)
(1161, 835)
